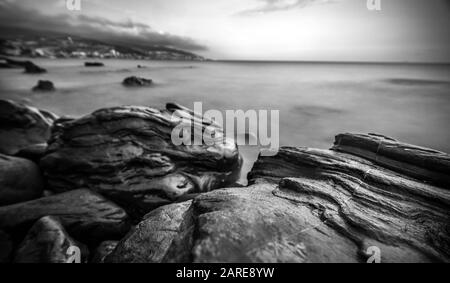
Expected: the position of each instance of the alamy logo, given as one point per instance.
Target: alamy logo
(254, 125)
(73, 5)
(374, 5)
(375, 254)
(74, 254)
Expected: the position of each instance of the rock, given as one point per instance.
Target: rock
(44, 86)
(29, 66)
(103, 250)
(6, 247)
(20, 180)
(34, 152)
(126, 153)
(86, 215)
(136, 81)
(302, 205)
(151, 239)
(424, 164)
(22, 126)
(93, 64)
(48, 242)
(141, 66)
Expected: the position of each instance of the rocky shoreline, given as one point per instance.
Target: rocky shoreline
(114, 185)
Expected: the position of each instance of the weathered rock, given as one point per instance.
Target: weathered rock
(22, 126)
(425, 164)
(303, 205)
(136, 81)
(103, 250)
(6, 247)
(86, 215)
(150, 240)
(127, 154)
(93, 64)
(43, 85)
(20, 180)
(48, 242)
(34, 152)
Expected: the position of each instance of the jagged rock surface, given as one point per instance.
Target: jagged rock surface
(22, 126)
(126, 153)
(303, 205)
(20, 180)
(48, 242)
(86, 215)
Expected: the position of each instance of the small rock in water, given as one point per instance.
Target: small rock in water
(44, 86)
(48, 242)
(31, 68)
(93, 64)
(136, 81)
(20, 180)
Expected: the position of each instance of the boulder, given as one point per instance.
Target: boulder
(127, 154)
(103, 250)
(136, 81)
(6, 247)
(86, 215)
(302, 205)
(22, 126)
(93, 64)
(48, 242)
(20, 180)
(44, 86)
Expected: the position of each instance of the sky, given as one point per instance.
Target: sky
(296, 30)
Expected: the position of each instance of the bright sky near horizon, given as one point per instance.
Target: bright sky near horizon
(318, 30)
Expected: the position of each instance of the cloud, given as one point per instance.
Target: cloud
(13, 15)
(269, 6)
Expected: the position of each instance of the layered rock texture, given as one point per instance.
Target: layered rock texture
(305, 205)
(127, 154)
(22, 126)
